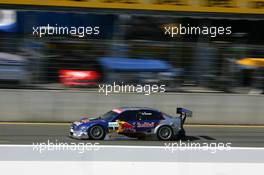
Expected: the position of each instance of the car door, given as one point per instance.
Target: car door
(147, 120)
(127, 121)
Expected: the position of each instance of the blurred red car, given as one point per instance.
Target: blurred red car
(79, 77)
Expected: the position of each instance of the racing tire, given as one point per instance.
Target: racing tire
(165, 133)
(96, 132)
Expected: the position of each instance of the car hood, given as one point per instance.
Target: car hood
(88, 121)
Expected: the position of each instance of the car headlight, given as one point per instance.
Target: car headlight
(83, 128)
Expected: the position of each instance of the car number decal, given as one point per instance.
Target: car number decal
(113, 124)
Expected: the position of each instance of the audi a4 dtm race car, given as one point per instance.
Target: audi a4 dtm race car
(136, 122)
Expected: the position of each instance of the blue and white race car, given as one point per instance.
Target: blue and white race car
(136, 122)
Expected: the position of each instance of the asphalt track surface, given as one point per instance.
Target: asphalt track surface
(36, 133)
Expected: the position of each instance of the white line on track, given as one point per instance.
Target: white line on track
(127, 146)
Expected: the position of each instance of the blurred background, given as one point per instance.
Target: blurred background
(56, 78)
(126, 46)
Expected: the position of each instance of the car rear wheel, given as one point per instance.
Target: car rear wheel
(165, 133)
(96, 132)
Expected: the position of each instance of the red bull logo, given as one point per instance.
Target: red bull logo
(125, 126)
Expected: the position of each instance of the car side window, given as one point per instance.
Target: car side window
(127, 116)
(149, 115)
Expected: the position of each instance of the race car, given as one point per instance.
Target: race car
(136, 122)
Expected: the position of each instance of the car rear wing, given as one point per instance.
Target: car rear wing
(184, 112)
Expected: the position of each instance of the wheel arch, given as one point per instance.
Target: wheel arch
(165, 124)
(97, 124)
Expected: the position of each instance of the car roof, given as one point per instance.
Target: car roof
(130, 108)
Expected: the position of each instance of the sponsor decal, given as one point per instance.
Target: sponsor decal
(146, 113)
(125, 127)
(145, 124)
(113, 124)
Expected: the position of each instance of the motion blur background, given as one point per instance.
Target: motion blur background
(186, 62)
(131, 48)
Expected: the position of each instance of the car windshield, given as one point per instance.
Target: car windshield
(109, 116)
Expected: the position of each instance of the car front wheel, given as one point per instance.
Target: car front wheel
(96, 132)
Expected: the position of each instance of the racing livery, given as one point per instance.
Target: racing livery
(137, 122)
